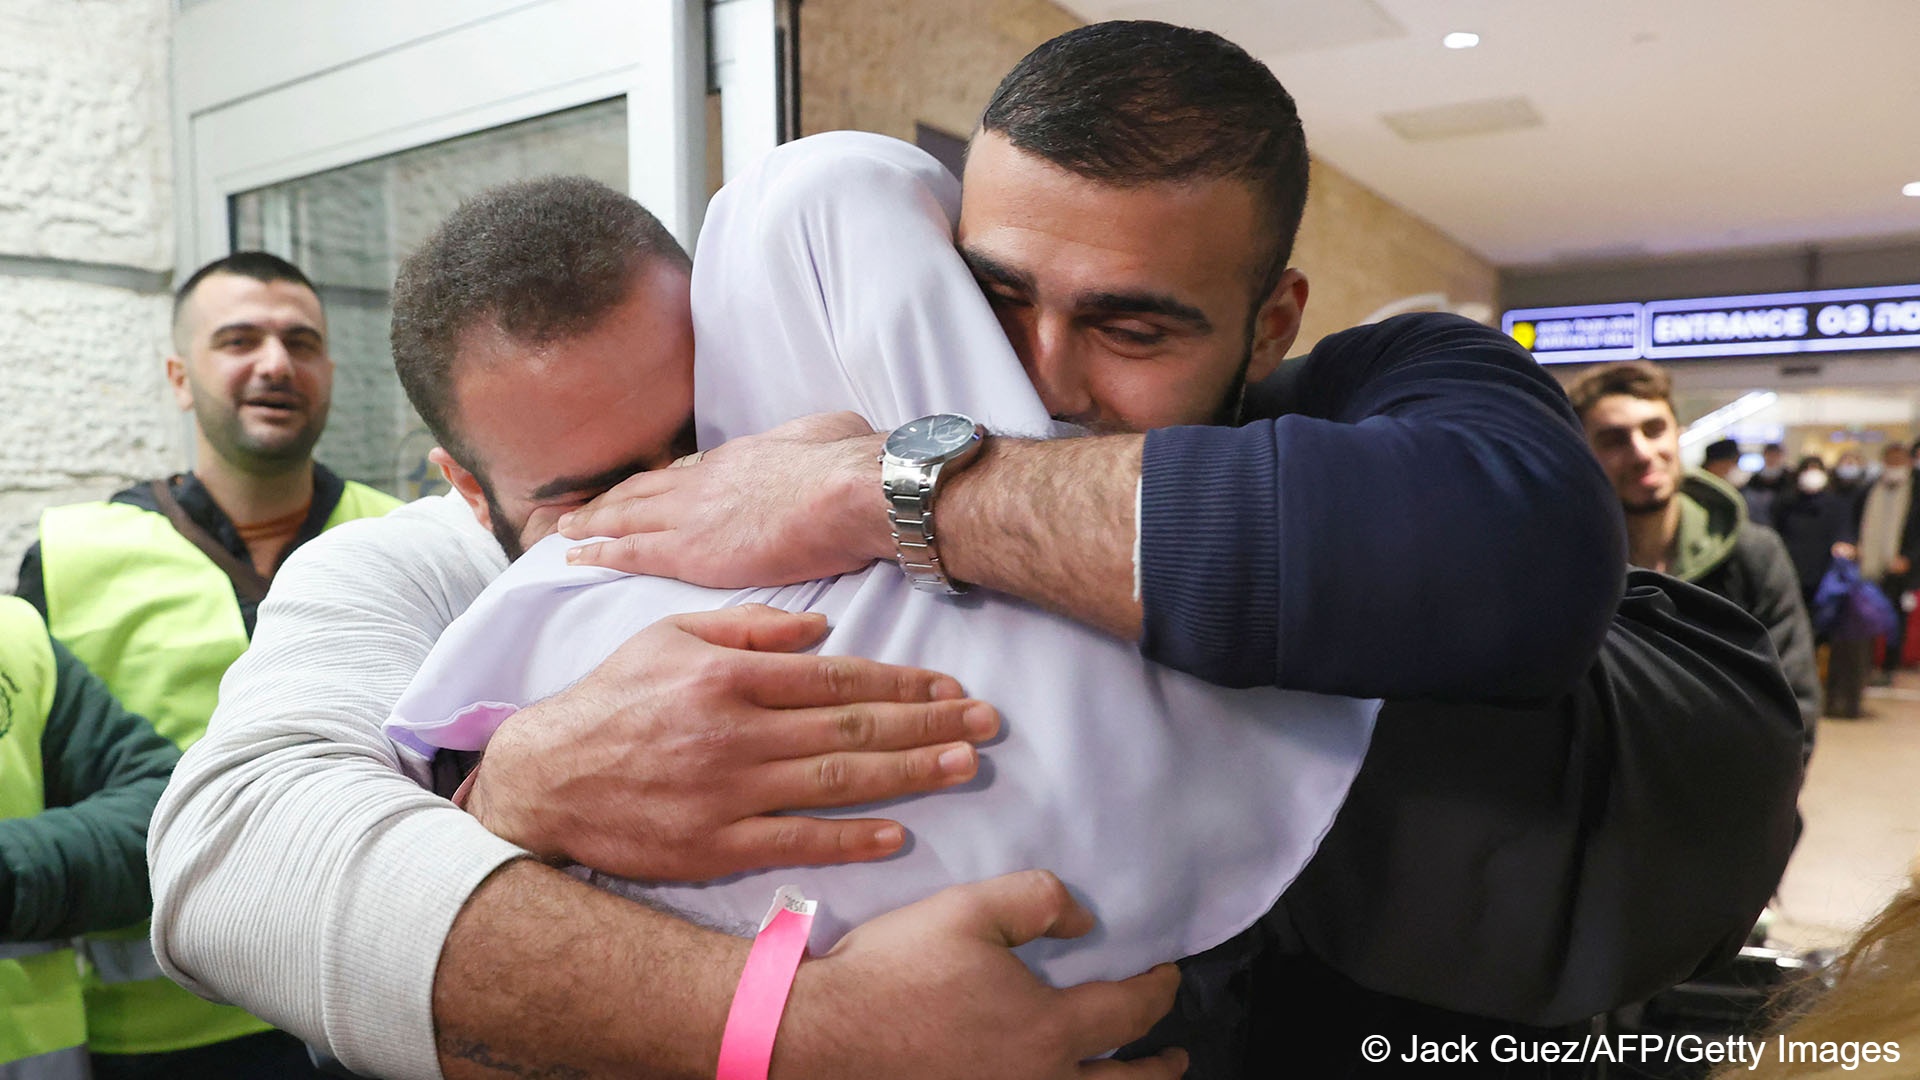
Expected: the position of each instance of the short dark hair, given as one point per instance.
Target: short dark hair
(261, 266)
(541, 260)
(1140, 102)
(1723, 450)
(1634, 378)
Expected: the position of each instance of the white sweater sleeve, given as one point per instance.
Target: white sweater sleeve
(298, 871)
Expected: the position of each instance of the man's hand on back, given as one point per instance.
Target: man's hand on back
(957, 1001)
(797, 503)
(669, 760)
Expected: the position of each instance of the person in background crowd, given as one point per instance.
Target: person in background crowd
(1723, 460)
(1888, 543)
(156, 590)
(1764, 487)
(1693, 526)
(1850, 476)
(79, 776)
(1812, 519)
(1817, 525)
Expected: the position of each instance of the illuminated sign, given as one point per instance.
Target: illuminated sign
(1565, 335)
(1773, 324)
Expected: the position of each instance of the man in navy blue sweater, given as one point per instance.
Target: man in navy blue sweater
(1572, 800)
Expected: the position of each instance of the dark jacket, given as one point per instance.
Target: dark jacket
(1810, 525)
(1724, 553)
(1544, 863)
(1545, 827)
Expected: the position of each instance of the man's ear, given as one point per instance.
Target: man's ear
(1276, 324)
(464, 482)
(177, 379)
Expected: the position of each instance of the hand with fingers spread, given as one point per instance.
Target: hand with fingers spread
(933, 991)
(800, 502)
(668, 761)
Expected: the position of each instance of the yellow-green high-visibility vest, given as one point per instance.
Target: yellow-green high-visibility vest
(43, 1024)
(158, 622)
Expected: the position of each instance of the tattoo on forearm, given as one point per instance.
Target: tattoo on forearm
(461, 1049)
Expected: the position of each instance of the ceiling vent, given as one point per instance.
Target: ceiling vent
(1466, 118)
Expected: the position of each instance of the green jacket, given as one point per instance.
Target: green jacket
(81, 864)
(1721, 551)
(79, 777)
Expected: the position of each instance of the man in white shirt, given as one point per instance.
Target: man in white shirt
(681, 746)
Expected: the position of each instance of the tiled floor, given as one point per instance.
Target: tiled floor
(1862, 811)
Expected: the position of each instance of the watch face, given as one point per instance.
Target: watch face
(931, 438)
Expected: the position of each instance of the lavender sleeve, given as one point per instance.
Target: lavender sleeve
(1413, 514)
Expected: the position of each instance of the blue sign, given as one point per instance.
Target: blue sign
(1771, 324)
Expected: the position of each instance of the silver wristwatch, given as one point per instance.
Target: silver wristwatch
(917, 456)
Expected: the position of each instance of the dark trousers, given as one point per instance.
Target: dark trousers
(269, 1055)
(1256, 1008)
(1309, 1020)
(1893, 587)
(1848, 661)
(1209, 1018)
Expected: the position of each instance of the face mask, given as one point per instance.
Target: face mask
(1813, 481)
(1772, 472)
(1848, 473)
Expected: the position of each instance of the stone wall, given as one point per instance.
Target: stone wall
(86, 254)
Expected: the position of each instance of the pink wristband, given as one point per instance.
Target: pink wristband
(746, 1047)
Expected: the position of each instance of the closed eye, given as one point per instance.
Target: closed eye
(1000, 295)
(1134, 337)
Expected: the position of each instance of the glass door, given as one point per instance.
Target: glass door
(350, 227)
(338, 135)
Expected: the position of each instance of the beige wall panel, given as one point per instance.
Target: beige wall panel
(882, 65)
(1361, 252)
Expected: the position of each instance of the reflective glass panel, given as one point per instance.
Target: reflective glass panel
(349, 228)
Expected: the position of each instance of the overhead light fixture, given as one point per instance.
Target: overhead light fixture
(1460, 39)
(1726, 416)
(1912, 189)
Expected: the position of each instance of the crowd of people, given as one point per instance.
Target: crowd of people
(1128, 698)
(1850, 516)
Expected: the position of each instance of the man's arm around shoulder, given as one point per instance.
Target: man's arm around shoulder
(1425, 521)
(1414, 513)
